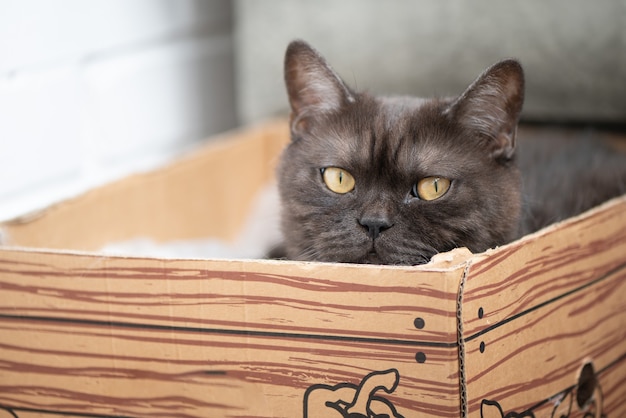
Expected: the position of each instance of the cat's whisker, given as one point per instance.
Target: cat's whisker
(309, 254)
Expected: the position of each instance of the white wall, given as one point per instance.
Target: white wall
(92, 90)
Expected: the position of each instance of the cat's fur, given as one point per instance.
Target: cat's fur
(390, 143)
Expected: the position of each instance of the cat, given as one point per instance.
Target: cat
(396, 180)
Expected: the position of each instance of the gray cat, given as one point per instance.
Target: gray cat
(395, 180)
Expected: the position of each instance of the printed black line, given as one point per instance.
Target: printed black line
(612, 364)
(319, 337)
(546, 303)
(225, 331)
(63, 413)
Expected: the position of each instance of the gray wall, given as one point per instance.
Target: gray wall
(573, 51)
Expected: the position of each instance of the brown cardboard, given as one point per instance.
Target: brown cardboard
(205, 194)
(503, 333)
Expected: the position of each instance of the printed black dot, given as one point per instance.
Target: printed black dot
(482, 347)
(420, 357)
(480, 313)
(419, 323)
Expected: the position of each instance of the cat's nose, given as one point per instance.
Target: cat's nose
(375, 225)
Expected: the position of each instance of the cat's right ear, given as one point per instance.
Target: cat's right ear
(313, 87)
(492, 106)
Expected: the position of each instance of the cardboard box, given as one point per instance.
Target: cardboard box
(532, 329)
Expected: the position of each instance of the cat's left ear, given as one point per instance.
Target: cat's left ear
(492, 104)
(313, 87)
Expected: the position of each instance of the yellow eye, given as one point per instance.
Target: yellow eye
(431, 188)
(338, 180)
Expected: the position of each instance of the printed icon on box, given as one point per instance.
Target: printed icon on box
(347, 400)
(585, 397)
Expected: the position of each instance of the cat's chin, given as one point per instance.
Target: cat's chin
(372, 258)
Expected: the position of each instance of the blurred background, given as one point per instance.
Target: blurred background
(92, 91)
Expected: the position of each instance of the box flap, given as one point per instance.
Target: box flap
(207, 194)
(536, 311)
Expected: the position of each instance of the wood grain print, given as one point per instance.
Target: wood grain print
(540, 333)
(84, 335)
(533, 329)
(544, 323)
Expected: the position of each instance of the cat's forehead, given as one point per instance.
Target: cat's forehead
(412, 124)
(396, 110)
(398, 115)
(405, 134)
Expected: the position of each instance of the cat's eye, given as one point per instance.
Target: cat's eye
(431, 188)
(338, 180)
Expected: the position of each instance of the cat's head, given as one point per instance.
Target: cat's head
(395, 180)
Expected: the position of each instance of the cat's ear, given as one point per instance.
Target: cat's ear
(312, 85)
(492, 104)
